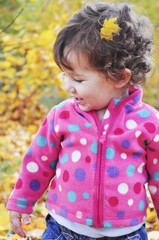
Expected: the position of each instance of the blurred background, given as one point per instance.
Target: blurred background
(31, 83)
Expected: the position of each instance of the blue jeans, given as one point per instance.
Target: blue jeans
(55, 231)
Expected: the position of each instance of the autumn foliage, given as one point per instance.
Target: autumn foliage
(31, 83)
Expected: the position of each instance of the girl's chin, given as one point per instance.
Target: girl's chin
(85, 108)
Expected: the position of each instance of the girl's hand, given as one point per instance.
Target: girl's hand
(16, 224)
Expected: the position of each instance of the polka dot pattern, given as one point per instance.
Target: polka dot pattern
(117, 147)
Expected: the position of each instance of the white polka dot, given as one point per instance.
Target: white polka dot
(106, 126)
(58, 172)
(131, 124)
(123, 156)
(83, 141)
(44, 158)
(60, 188)
(32, 167)
(153, 189)
(104, 132)
(107, 114)
(76, 155)
(79, 214)
(137, 133)
(123, 188)
(56, 128)
(156, 138)
(155, 161)
(130, 202)
(157, 115)
(140, 168)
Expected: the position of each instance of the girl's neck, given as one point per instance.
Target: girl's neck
(123, 94)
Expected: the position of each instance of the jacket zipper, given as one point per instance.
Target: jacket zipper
(98, 195)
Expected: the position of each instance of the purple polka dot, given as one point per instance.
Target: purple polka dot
(120, 214)
(137, 154)
(34, 185)
(136, 98)
(125, 144)
(29, 152)
(113, 172)
(80, 174)
(67, 142)
(133, 222)
(129, 108)
(63, 211)
(51, 126)
(54, 197)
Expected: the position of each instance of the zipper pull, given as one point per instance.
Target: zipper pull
(102, 138)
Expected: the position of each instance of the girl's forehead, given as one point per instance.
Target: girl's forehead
(76, 59)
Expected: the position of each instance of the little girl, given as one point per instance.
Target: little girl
(101, 146)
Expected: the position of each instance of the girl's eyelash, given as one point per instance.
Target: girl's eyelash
(77, 80)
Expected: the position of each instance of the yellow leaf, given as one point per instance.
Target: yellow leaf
(4, 219)
(109, 27)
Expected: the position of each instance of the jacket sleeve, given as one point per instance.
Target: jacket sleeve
(38, 168)
(153, 170)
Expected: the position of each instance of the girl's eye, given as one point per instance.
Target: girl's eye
(77, 80)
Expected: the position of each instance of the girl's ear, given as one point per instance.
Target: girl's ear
(123, 78)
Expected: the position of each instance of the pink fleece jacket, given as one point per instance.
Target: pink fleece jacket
(98, 169)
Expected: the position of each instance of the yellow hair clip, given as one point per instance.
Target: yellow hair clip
(109, 27)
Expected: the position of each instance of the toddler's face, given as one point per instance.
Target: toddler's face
(89, 88)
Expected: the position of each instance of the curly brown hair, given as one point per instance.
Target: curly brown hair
(130, 48)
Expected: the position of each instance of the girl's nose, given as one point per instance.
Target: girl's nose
(68, 84)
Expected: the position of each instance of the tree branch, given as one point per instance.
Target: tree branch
(12, 21)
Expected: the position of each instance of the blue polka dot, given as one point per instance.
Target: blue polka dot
(86, 195)
(125, 144)
(141, 205)
(133, 222)
(89, 221)
(71, 196)
(109, 153)
(120, 214)
(29, 152)
(94, 147)
(64, 159)
(53, 164)
(47, 205)
(87, 124)
(129, 108)
(52, 144)
(22, 203)
(54, 197)
(63, 211)
(51, 126)
(116, 102)
(113, 172)
(41, 141)
(73, 127)
(144, 113)
(60, 105)
(156, 176)
(34, 185)
(80, 174)
(136, 98)
(107, 224)
(130, 170)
